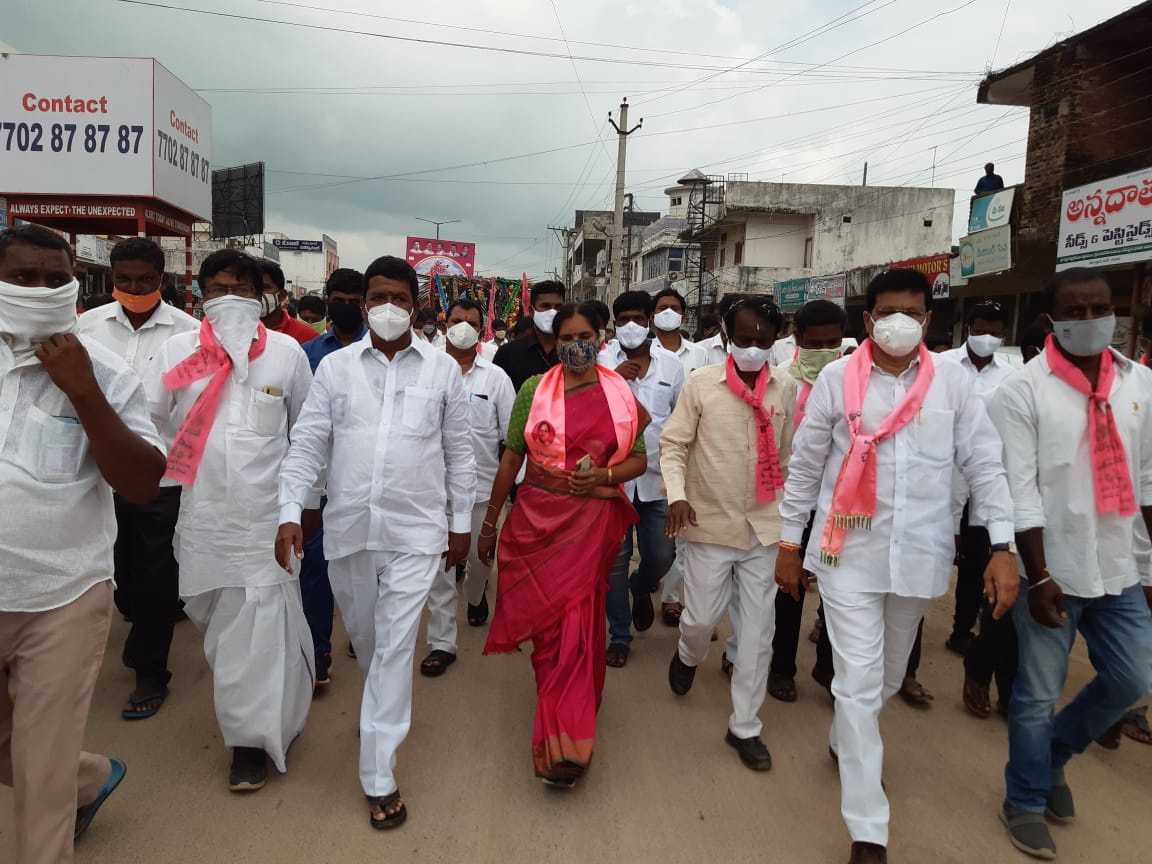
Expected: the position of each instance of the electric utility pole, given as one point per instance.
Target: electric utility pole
(619, 259)
(566, 233)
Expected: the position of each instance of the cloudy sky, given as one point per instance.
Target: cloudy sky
(366, 122)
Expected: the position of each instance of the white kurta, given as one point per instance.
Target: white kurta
(229, 516)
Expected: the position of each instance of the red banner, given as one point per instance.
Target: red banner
(936, 267)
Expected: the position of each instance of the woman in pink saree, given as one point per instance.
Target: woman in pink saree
(581, 430)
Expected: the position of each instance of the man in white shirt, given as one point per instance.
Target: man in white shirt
(147, 576)
(655, 377)
(883, 430)
(73, 423)
(490, 398)
(723, 455)
(428, 328)
(234, 389)
(389, 416)
(986, 326)
(1077, 431)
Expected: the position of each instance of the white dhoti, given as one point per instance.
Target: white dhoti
(711, 574)
(381, 596)
(260, 651)
(872, 635)
(442, 601)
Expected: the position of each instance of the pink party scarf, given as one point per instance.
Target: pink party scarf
(546, 418)
(1110, 474)
(769, 477)
(854, 496)
(210, 359)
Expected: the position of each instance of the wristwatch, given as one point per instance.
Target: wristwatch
(1004, 547)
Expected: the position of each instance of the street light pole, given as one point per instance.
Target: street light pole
(437, 223)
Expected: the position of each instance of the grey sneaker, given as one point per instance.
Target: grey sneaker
(1059, 807)
(1028, 832)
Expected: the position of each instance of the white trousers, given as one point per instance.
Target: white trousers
(259, 648)
(381, 596)
(872, 635)
(674, 578)
(442, 601)
(711, 573)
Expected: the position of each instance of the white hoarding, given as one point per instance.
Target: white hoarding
(1106, 223)
(183, 146)
(93, 126)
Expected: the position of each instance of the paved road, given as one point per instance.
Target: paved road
(664, 787)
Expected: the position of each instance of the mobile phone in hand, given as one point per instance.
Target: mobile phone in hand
(584, 464)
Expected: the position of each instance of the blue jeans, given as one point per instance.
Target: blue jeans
(657, 551)
(1118, 632)
(316, 593)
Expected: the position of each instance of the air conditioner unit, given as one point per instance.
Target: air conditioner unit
(674, 276)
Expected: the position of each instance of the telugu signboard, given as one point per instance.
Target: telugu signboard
(791, 294)
(455, 258)
(95, 126)
(986, 252)
(991, 211)
(936, 267)
(831, 288)
(1106, 223)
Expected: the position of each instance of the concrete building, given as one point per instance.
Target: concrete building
(307, 264)
(586, 265)
(1090, 124)
(754, 235)
(657, 257)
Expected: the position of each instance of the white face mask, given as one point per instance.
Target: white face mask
(668, 320)
(1085, 338)
(543, 320)
(31, 316)
(463, 336)
(897, 335)
(234, 321)
(631, 335)
(269, 303)
(389, 322)
(984, 345)
(750, 359)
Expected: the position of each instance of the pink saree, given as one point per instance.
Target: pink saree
(554, 555)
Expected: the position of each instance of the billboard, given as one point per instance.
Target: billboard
(991, 211)
(986, 252)
(455, 258)
(238, 201)
(1106, 223)
(103, 126)
(832, 288)
(299, 245)
(791, 294)
(936, 267)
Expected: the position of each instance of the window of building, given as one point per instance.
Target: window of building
(676, 202)
(722, 251)
(675, 260)
(738, 253)
(808, 252)
(847, 220)
(655, 264)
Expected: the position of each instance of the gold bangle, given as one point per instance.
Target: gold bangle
(789, 547)
(489, 524)
(486, 536)
(609, 476)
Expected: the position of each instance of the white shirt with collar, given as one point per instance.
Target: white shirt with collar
(487, 350)
(714, 350)
(57, 519)
(984, 384)
(783, 350)
(109, 325)
(1044, 425)
(690, 355)
(910, 547)
(657, 392)
(396, 437)
(490, 399)
(226, 533)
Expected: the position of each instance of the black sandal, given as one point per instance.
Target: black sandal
(478, 614)
(617, 656)
(436, 663)
(381, 805)
(781, 687)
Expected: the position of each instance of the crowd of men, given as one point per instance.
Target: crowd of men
(253, 470)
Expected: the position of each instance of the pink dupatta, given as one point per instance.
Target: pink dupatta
(854, 496)
(209, 359)
(545, 430)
